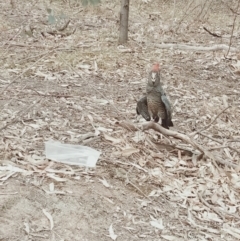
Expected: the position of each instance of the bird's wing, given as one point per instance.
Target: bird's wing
(142, 108)
(165, 101)
(167, 105)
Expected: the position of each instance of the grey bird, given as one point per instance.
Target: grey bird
(157, 101)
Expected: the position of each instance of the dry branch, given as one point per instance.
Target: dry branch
(55, 32)
(233, 11)
(233, 26)
(203, 150)
(195, 48)
(187, 139)
(124, 15)
(213, 34)
(220, 142)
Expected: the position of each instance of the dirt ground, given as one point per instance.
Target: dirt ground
(74, 84)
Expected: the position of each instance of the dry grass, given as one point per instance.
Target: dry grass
(61, 88)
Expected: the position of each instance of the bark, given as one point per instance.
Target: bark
(124, 14)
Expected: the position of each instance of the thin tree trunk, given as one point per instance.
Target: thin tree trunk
(124, 13)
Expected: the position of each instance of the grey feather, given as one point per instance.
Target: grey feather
(142, 108)
(158, 103)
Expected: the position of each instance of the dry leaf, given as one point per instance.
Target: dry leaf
(27, 228)
(129, 151)
(113, 140)
(95, 65)
(235, 232)
(56, 178)
(111, 233)
(157, 224)
(172, 238)
(49, 216)
(104, 182)
(51, 187)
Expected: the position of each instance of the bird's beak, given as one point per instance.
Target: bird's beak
(153, 77)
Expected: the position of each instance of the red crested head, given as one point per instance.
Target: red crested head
(156, 67)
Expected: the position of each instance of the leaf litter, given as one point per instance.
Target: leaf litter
(80, 91)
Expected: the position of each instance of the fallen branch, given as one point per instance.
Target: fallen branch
(204, 151)
(195, 48)
(187, 139)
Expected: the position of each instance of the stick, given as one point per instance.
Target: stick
(220, 142)
(22, 73)
(19, 115)
(210, 206)
(234, 20)
(206, 127)
(195, 48)
(158, 128)
(213, 34)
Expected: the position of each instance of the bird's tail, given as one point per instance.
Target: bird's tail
(166, 123)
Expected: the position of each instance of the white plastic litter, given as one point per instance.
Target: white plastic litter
(71, 154)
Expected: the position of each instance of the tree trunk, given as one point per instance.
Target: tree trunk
(124, 13)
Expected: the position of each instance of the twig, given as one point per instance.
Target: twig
(20, 113)
(234, 11)
(236, 140)
(210, 206)
(158, 128)
(213, 34)
(234, 20)
(217, 147)
(55, 32)
(220, 142)
(22, 73)
(64, 26)
(13, 193)
(215, 209)
(208, 8)
(206, 127)
(51, 95)
(193, 48)
(28, 45)
(128, 182)
(185, 15)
